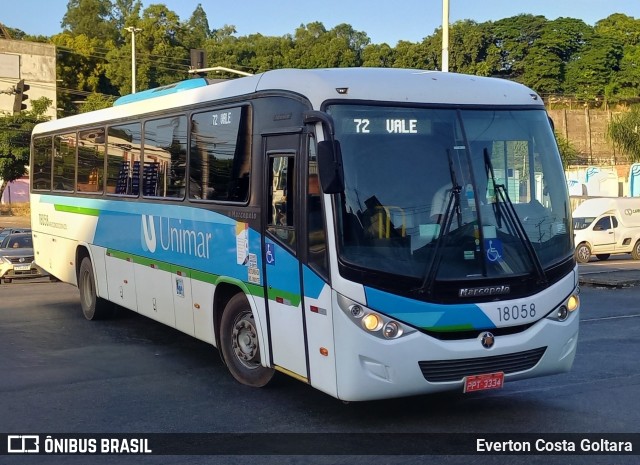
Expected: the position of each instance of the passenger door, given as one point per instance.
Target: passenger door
(280, 255)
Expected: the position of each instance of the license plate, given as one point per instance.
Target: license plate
(22, 267)
(484, 382)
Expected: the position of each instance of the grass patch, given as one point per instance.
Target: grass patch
(17, 209)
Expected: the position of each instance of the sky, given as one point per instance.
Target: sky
(383, 20)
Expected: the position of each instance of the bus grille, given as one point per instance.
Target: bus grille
(440, 371)
(16, 260)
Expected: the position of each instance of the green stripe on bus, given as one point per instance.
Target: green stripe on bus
(290, 297)
(155, 264)
(78, 210)
(202, 276)
(119, 255)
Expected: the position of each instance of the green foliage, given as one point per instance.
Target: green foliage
(97, 102)
(624, 132)
(568, 153)
(594, 63)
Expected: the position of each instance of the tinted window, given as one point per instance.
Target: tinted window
(220, 160)
(91, 149)
(165, 157)
(281, 198)
(42, 154)
(123, 159)
(64, 162)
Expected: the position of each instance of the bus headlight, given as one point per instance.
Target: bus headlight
(374, 323)
(569, 306)
(392, 330)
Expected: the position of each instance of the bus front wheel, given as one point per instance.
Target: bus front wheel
(93, 307)
(239, 344)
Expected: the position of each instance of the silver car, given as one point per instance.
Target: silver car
(16, 258)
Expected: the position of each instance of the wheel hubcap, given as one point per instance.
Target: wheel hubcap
(583, 253)
(245, 341)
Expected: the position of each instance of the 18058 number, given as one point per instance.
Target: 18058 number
(517, 312)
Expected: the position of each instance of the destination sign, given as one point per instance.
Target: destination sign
(394, 124)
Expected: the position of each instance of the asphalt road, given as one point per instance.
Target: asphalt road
(62, 374)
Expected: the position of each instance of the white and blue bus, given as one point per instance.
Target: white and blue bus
(374, 233)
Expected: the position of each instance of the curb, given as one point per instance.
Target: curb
(613, 279)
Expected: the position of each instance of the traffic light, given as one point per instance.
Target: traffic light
(20, 89)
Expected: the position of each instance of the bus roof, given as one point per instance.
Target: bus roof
(320, 85)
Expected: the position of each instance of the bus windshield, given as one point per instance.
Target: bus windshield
(459, 193)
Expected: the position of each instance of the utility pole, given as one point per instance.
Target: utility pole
(133, 31)
(445, 36)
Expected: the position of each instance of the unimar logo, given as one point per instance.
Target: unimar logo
(172, 236)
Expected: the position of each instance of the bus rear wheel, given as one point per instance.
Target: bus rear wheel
(93, 307)
(240, 345)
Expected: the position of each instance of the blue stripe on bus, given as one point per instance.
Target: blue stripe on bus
(184, 236)
(427, 315)
(313, 284)
(163, 90)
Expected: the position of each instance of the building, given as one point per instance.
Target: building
(35, 63)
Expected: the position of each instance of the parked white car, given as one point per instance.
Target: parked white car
(605, 226)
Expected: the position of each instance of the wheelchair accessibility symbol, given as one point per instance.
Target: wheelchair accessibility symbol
(494, 249)
(270, 254)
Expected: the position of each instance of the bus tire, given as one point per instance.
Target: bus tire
(583, 253)
(603, 256)
(93, 307)
(240, 344)
(635, 253)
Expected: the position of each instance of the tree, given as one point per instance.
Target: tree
(81, 65)
(589, 76)
(624, 132)
(15, 136)
(513, 37)
(568, 152)
(93, 18)
(161, 57)
(544, 65)
(414, 55)
(197, 30)
(97, 102)
(625, 30)
(378, 56)
(315, 47)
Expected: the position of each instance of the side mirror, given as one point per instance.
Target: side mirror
(330, 167)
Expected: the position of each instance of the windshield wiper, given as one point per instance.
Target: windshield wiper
(453, 206)
(502, 201)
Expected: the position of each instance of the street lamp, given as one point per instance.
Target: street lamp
(133, 31)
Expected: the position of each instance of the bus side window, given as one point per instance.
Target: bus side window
(281, 198)
(165, 157)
